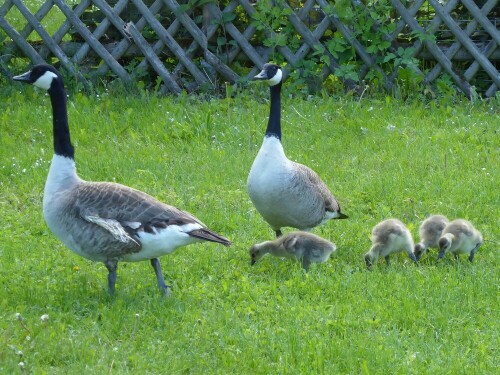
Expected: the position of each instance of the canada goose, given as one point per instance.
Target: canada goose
(389, 236)
(286, 194)
(104, 221)
(303, 246)
(430, 232)
(459, 237)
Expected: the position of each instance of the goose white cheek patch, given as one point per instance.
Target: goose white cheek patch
(276, 79)
(45, 80)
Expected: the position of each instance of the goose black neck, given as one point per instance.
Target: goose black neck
(274, 124)
(62, 142)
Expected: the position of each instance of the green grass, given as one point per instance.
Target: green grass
(225, 316)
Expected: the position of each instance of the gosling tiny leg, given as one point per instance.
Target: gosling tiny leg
(387, 260)
(473, 252)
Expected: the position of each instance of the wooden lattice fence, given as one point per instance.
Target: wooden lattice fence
(196, 43)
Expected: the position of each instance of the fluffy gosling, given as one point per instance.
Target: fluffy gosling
(389, 236)
(430, 232)
(305, 247)
(460, 237)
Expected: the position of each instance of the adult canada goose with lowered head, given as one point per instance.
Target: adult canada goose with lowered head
(285, 193)
(430, 232)
(460, 237)
(103, 221)
(389, 236)
(303, 246)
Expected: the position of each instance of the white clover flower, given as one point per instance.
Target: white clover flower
(44, 318)
(19, 316)
(22, 364)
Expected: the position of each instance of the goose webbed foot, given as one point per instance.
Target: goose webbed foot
(112, 266)
(155, 263)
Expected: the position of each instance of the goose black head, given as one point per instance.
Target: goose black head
(271, 73)
(40, 76)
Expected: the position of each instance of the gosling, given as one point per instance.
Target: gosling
(459, 237)
(430, 233)
(389, 236)
(306, 247)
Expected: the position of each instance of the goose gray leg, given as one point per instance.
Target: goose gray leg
(155, 262)
(368, 262)
(112, 266)
(387, 260)
(473, 252)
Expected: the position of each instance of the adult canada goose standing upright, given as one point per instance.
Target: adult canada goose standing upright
(286, 194)
(430, 232)
(460, 237)
(103, 221)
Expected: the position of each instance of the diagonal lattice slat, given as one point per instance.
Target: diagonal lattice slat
(181, 43)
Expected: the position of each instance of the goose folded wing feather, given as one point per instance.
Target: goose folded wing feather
(124, 211)
(319, 187)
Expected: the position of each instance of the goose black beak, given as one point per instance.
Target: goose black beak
(261, 76)
(25, 77)
(252, 262)
(441, 255)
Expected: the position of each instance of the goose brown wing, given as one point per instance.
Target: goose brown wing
(126, 205)
(317, 184)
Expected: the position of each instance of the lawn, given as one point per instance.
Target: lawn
(382, 158)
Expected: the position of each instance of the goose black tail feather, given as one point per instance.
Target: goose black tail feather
(208, 235)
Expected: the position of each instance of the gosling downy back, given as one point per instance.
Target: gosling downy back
(285, 193)
(430, 232)
(306, 247)
(389, 236)
(460, 237)
(104, 221)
